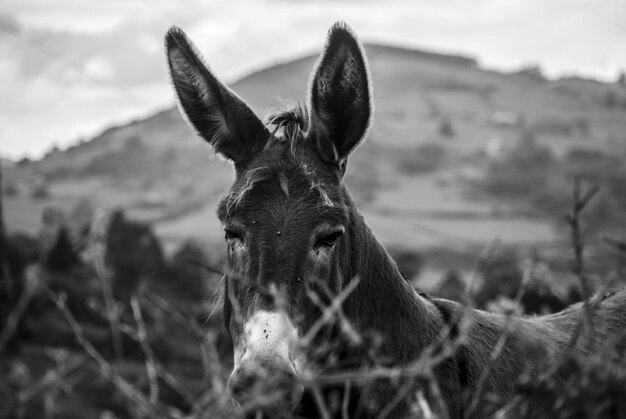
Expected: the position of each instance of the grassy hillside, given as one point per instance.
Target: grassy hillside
(439, 121)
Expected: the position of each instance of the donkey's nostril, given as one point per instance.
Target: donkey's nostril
(240, 382)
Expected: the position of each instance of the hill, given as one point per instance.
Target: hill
(438, 121)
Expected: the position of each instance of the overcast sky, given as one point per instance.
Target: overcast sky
(70, 68)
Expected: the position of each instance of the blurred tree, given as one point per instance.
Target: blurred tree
(129, 250)
(190, 274)
(22, 250)
(61, 256)
(57, 250)
(446, 129)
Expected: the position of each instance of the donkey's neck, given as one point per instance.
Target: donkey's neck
(384, 305)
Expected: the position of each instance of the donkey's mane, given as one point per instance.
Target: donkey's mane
(289, 124)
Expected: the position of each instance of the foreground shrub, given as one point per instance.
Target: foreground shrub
(191, 275)
(502, 278)
(22, 250)
(574, 387)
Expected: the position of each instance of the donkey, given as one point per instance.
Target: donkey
(309, 290)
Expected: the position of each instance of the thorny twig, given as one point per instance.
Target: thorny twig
(32, 284)
(500, 344)
(329, 312)
(320, 402)
(51, 378)
(422, 368)
(135, 397)
(479, 267)
(112, 311)
(345, 325)
(418, 369)
(209, 352)
(467, 302)
(162, 372)
(616, 243)
(573, 219)
(427, 413)
(400, 395)
(151, 368)
(436, 393)
(346, 400)
(463, 318)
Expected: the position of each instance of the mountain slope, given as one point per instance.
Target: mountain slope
(160, 172)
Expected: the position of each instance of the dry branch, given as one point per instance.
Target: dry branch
(51, 378)
(112, 311)
(328, 312)
(580, 202)
(151, 368)
(499, 347)
(135, 398)
(616, 243)
(206, 340)
(32, 285)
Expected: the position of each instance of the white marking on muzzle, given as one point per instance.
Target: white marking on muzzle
(269, 336)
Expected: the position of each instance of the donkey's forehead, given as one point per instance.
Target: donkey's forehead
(282, 173)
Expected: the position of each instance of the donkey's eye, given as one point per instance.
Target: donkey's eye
(230, 234)
(328, 240)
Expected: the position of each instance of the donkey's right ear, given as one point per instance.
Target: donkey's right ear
(216, 113)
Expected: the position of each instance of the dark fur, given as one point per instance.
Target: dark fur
(288, 189)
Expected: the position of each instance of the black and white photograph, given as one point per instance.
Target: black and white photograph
(273, 209)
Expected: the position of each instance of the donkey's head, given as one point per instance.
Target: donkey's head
(285, 217)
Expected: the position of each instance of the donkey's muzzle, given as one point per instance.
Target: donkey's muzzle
(265, 377)
(267, 386)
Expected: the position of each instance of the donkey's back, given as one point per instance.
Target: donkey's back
(498, 351)
(608, 313)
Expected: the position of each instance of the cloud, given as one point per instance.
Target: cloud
(100, 67)
(9, 25)
(75, 66)
(43, 112)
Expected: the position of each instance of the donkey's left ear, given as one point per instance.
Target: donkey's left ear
(340, 95)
